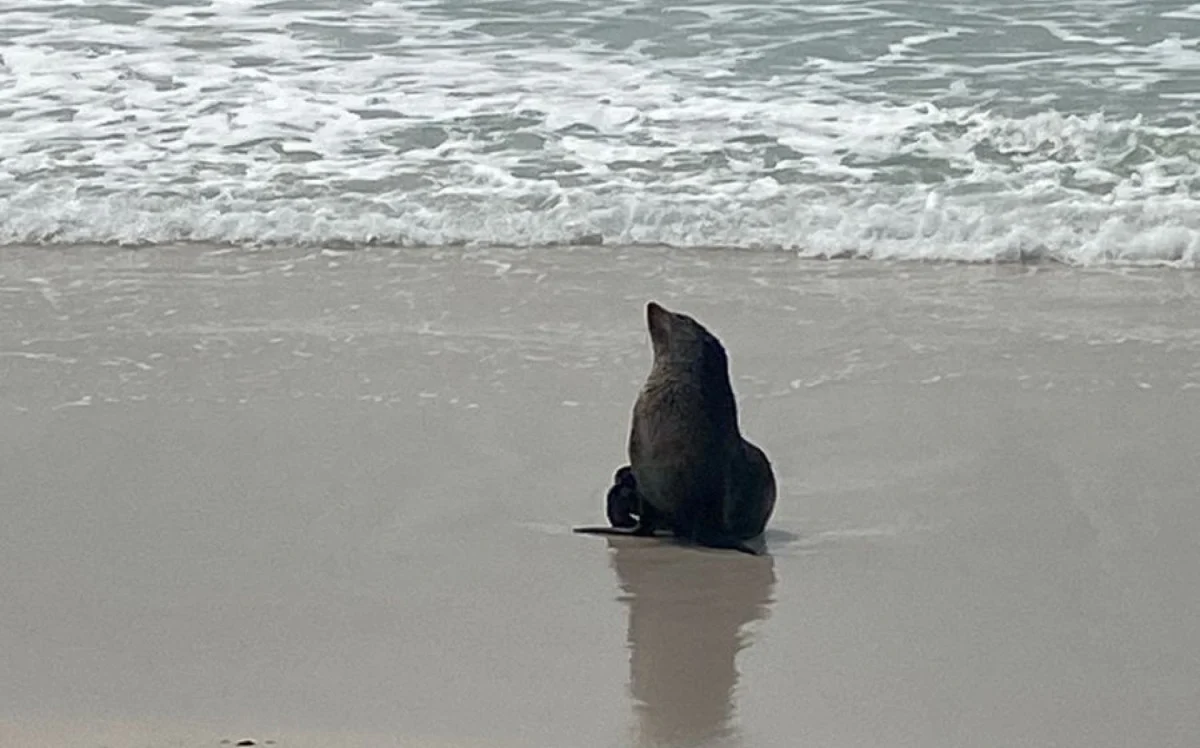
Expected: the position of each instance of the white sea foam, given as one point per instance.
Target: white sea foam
(965, 132)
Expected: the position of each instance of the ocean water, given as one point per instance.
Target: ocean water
(964, 130)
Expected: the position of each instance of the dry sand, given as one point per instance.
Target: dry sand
(324, 499)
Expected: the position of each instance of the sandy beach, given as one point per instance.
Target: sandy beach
(324, 498)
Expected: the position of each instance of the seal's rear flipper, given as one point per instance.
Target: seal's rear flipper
(623, 501)
(755, 546)
(745, 547)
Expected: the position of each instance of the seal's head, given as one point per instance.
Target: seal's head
(679, 340)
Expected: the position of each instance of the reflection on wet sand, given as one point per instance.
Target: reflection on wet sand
(687, 608)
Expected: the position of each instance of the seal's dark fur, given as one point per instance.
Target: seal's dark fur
(690, 470)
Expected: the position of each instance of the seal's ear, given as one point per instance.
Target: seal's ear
(659, 322)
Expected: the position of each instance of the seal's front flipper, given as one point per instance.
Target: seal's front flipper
(641, 531)
(605, 530)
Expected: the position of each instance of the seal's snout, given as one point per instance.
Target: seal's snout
(658, 320)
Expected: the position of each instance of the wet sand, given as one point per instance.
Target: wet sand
(324, 499)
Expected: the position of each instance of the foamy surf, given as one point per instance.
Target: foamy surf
(966, 133)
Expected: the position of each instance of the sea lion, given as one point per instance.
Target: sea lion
(690, 470)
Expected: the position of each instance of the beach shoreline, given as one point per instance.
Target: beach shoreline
(320, 495)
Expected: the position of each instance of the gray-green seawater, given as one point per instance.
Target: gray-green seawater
(981, 130)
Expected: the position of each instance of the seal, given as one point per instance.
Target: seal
(690, 472)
